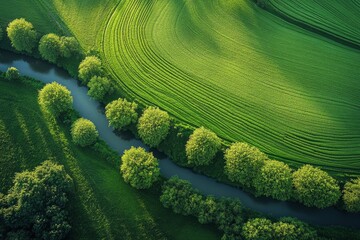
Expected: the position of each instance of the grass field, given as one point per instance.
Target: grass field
(103, 206)
(340, 18)
(231, 67)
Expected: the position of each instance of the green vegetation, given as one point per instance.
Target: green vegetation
(103, 205)
(153, 126)
(258, 228)
(243, 163)
(22, 35)
(315, 188)
(55, 98)
(121, 113)
(351, 195)
(139, 168)
(1, 33)
(35, 204)
(274, 180)
(89, 68)
(202, 147)
(50, 47)
(12, 74)
(83, 132)
(69, 47)
(99, 87)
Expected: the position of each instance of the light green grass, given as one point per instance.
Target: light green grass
(103, 205)
(240, 71)
(337, 17)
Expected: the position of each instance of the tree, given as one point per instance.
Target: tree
(258, 229)
(83, 132)
(121, 113)
(70, 47)
(153, 126)
(351, 195)
(179, 195)
(315, 188)
(229, 217)
(99, 87)
(243, 163)
(90, 67)
(207, 210)
(275, 180)
(22, 35)
(50, 47)
(139, 168)
(12, 74)
(202, 147)
(292, 229)
(35, 206)
(55, 98)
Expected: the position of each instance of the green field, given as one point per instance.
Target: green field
(103, 205)
(229, 66)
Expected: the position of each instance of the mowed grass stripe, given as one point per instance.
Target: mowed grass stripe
(144, 45)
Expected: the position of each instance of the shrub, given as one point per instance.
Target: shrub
(50, 47)
(121, 113)
(139, 168)
(83, 132)
(243, 163)
(99, 87)
(275, 180)
(12, 74)
(153, 126)
(315, 188)
(22, 35)
(55, 98)
(351, 195)
(258, 228)
(90, 67)
(202, 147)
(69, 47)
(35, 206)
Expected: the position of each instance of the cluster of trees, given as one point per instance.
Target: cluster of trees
(52, 47)
(121, 113)
(179, 196)
(35, 206)
(202, 147)
(83, 132)
(55, 98)
(285, 229)
(139, 168)
(249, 167)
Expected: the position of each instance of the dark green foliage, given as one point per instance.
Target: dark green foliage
(153, 126)
(55, 98)
(1, 33)
(207, 210)
(229, 217)
(315, 188)
(243, 163)
(294, 230)
(99, 87)
(12, 74)
(139, 168)
(50, 47)
(274, 180)
(202, 147)
(22, 35)
(90, 67)
(35, 205)
(70, 47)
(258, 229)
(121, 113)
(351, 195)
(83, 132)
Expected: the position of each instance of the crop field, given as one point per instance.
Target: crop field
(340, 18)
(232, 67)
(104, 206)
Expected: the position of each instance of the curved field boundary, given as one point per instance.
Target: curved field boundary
(337, 20)
(242, 73)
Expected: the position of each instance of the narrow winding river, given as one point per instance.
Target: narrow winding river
(91, 110)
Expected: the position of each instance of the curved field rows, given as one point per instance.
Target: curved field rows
(338, 17)
(243, 73)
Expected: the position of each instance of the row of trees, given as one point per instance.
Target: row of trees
(35, 206)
